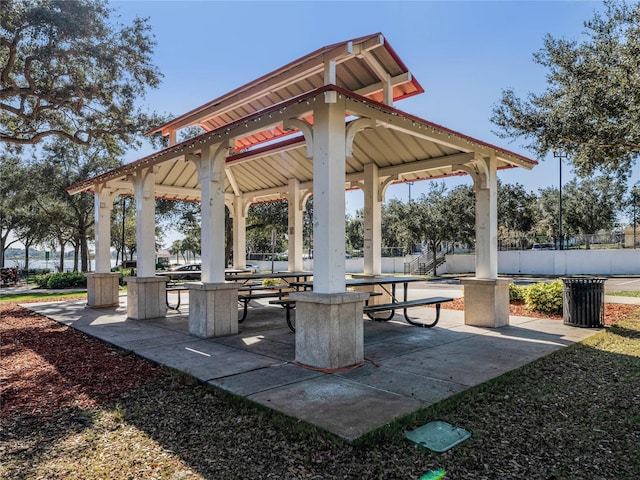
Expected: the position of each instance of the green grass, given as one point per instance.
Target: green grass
(38, 296)
(574, 414)
(625, 294)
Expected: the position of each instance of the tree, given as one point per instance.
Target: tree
(548, 210)
(355, 232)
(400, 225)
(12, 190)
(591, 205)
(516, 211)
(69, 71)
(262, 218)
(591, 107)
(446, 216)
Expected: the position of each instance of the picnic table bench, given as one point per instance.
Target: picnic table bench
(370, 310)
(249, 292)
(395, 303)
(176, 287)
(289, 305)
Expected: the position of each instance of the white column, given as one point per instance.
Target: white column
(103, 204)
(372, 221)
(328, 193)
(487, 220)
(295, 225)
(239, 233)
(144, 190)
(211, 180)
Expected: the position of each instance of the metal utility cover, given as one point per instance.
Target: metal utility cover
(438, 436)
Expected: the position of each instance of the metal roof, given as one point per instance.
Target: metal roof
(403, 146)
(260, 118)
(360, 66)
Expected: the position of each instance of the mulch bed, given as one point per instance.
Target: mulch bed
(47, 366)
(613, 312)
(55, 380)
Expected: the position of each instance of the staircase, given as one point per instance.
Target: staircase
(423, 265)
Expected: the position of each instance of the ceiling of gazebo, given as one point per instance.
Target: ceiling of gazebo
(404, 148)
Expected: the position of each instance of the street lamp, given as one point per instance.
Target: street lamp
(634, 199)
(560, 155)
(410, 184)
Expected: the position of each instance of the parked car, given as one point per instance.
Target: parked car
(543, 246)
(191, 272)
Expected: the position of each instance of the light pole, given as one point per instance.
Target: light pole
(124, 217)
(559, 155)
(410, 184)
(634, 199)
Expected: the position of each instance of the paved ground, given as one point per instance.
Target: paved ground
(406, 367)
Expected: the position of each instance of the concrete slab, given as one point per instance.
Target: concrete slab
(348, 409)
(205, 359)
(255, 381)
(414, 367)
(420, 387)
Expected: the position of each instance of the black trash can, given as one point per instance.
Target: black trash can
(583, 301)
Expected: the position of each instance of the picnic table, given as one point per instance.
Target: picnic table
(389, 285)
(253, 287)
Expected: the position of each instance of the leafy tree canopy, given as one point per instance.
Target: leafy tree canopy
(591, 107)
(67, 69)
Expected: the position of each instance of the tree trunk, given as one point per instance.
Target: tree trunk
(76, 254)
(61, 263)
(434, 249)
(84, 253)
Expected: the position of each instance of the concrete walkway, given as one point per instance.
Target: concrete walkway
(406, 367)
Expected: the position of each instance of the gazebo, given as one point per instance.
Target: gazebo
(317, 126)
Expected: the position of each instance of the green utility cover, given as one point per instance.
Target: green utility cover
(438, 436)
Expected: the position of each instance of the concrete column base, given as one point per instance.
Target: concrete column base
(102, 290)
(213, 309)
(146, 297)
(486, 302)
(329, 329)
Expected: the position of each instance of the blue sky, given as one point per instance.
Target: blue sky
(463, 54)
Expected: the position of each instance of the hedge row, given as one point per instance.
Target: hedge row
(62, 280)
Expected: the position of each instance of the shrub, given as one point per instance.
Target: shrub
(62, 280)
(270, 282)
(544, 297)
(517, 292)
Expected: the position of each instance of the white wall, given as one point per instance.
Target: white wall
(545, 262)
(389, 265)
(555, 262)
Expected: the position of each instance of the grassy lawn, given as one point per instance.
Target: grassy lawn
(39, 296)
(625, 294)
(80, 409)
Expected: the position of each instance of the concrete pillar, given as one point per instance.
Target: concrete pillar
(328, 197)
(103, 286)
(146, 293)
(486, 301)
(239, 233)
(329, 329)
(103, 290)
(295, 225)
(372, 221)
(211, 179)
(486, 297)
(213, 309)
(144, 191)
(103, 204)
(146, 297)
(487, 220)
